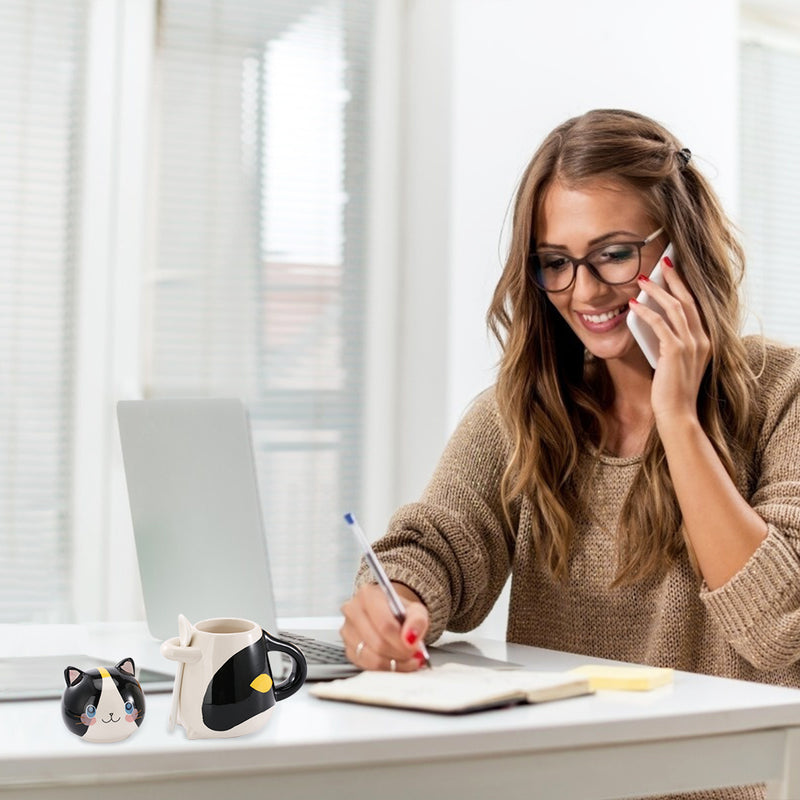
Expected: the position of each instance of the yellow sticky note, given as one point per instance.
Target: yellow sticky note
(631, 679)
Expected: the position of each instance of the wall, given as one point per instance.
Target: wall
(485, 80)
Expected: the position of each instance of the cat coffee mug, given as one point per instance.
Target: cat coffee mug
(224, 685)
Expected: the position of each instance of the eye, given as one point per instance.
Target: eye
(554, 261)
(90, 711)
(129, 707)
(614, 254)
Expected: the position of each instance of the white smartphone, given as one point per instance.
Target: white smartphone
(641, 331)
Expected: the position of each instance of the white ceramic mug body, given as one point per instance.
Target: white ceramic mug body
(227, 687)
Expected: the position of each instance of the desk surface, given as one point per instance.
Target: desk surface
(700, 731)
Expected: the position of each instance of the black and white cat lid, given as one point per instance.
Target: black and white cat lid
(103, 705)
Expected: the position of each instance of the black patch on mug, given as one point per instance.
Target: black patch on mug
(230, 699)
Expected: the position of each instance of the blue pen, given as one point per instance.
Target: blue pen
(395, 603)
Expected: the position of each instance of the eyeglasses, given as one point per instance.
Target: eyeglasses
(614, 263)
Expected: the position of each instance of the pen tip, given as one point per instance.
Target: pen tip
(348, 518)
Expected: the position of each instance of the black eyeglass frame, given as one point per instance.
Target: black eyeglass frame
(576, 262)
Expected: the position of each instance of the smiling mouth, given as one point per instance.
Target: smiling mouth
(110, 719)
(597, 319)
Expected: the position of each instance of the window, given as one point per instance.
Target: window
(253, 272)
(257, 281)
(42, 46)
(770, 175)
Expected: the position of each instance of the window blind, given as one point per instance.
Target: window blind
(257, 282)
(770, 183)
(41, 80)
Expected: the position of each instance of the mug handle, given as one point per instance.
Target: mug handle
(297, 676)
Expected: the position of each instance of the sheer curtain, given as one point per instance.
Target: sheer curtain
(770, 178)
(42, 58)
(257, 283)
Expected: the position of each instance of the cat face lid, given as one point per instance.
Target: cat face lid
(103, 705)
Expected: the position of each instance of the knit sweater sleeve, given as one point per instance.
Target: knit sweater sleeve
(758, 609)
(453, 547)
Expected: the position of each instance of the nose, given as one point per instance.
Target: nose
(586, 284)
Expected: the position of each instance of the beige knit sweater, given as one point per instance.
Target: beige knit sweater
(455, 551)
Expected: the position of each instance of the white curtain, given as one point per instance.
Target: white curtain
(770, 183)
(42, 56)
(257, 283)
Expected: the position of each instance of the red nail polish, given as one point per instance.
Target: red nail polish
(633, 301)
(643, 278)
(420, 657)
(412, 636)
(668, 262)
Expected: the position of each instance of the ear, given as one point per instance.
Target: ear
(127, 666)
(72, 675)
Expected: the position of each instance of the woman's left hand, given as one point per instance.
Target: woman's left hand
(684, 346)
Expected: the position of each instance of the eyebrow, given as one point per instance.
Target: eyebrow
(592, 242)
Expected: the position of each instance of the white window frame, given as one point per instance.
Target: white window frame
(111, 251)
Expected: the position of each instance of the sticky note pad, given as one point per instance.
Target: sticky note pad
(631, 679)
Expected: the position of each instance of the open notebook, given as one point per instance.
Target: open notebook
(454, 688)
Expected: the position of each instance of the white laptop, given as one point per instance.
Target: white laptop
(197, 520)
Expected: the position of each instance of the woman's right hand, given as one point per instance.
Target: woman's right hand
(373, 637)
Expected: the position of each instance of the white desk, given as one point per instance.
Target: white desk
(699, 732)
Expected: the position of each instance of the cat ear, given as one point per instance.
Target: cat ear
(127, 666)
(72, 675)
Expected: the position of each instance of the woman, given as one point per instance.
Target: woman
(650, 516)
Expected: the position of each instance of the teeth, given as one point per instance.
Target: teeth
(597, 318)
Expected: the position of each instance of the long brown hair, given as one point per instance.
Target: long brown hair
(552, 397)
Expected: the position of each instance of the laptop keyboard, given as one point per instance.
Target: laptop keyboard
(316, 650)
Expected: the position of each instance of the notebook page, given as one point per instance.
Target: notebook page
(451, 688)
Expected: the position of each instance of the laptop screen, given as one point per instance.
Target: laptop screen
(197, 520)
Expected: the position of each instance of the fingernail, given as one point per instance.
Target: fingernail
(633, 301)
(412, 636)
(668, 262)
(643, 278)
(420, 657)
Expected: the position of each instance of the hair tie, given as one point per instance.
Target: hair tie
(684, 154)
